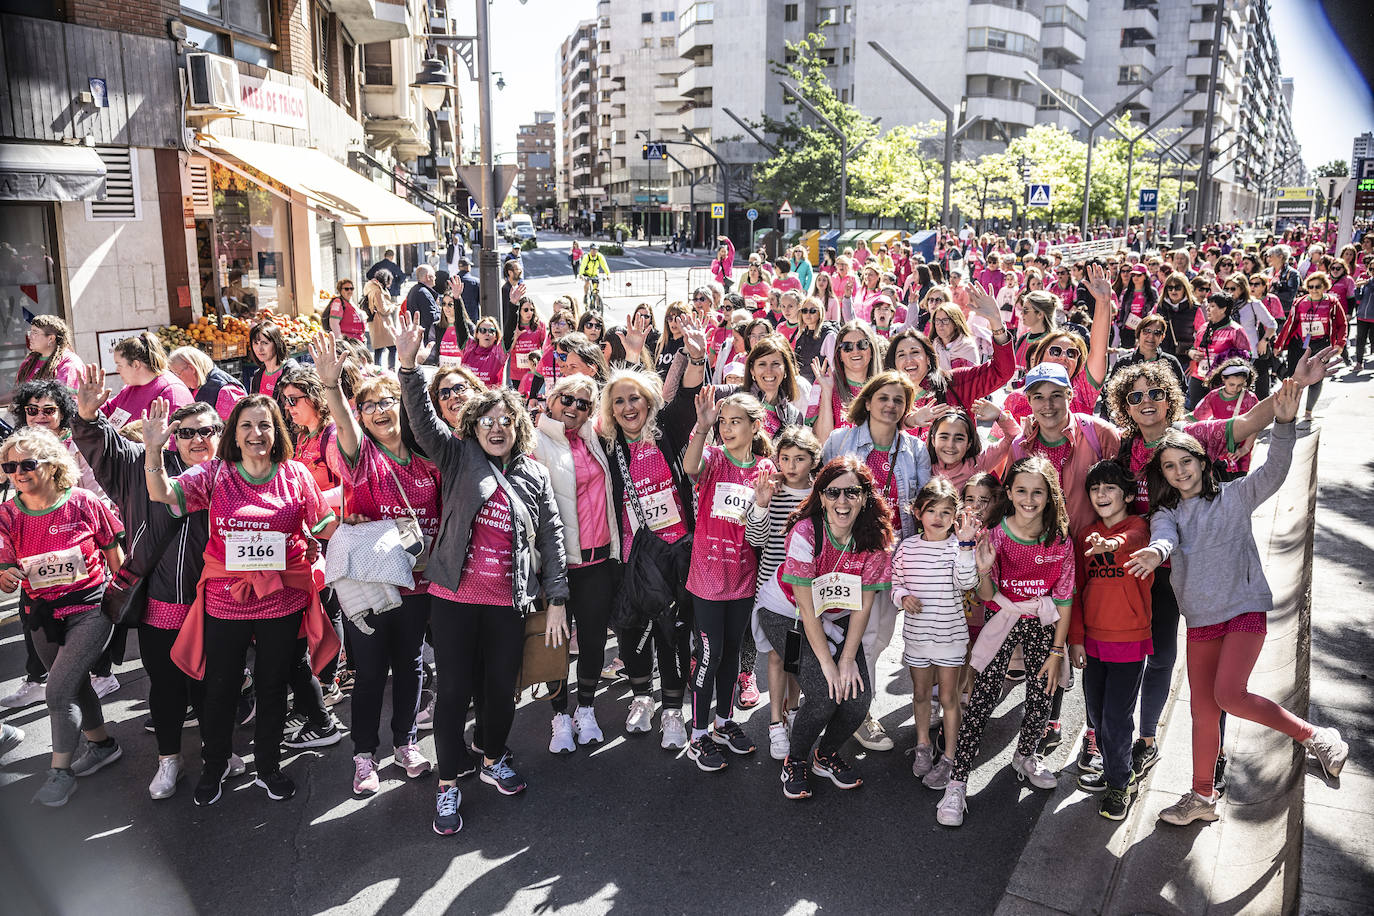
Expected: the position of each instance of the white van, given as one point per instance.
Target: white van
(520, 228)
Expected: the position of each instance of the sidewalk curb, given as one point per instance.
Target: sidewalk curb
(1250, 860)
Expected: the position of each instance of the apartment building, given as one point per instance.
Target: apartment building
(583, 130)
(536, 190)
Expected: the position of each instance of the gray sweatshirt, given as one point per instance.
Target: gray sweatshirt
(1217, 574)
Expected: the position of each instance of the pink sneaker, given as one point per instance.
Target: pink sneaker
(414, 762)
(365, 781)
(747, 691)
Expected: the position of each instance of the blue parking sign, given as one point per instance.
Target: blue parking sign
(1149, 200)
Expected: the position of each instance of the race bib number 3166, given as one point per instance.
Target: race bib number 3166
(250, 551)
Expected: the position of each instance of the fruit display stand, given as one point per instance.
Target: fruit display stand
(226, 339)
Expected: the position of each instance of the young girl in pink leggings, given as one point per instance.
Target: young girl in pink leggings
(1223, 595)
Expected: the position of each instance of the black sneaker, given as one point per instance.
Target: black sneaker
(315, 736)
(1053, 737)
(730, 735)
(795, 782)
(209, 787)
(1089, 757)
(1219, 776)
(503, 777)
(1115, 804)
(278, 785)
(1143, 756)
(706, 753)
(836, 769)
(295, 721)
(1092, 782)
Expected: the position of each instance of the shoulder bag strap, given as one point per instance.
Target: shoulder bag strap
(629, 484)
(402, 490)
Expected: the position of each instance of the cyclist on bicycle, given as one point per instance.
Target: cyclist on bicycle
(593, 265)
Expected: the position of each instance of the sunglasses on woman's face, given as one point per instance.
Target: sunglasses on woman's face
(812, 311)
(1062, 352)
(1155, 394)
(348, 288)
(581, 404)
(448, 392)
(205, 432)
(481, 331)
(593, 324)
(849, 346)
(1315, 288)
(47, 410)
(28, 466)
(488, 422)
(291, 401)
(1150, 332)
(850, 493)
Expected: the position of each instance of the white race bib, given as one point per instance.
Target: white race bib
(251, 551)
(1133, 321)
(1313, 327)
(447, 361)
(837, 593)
(119, 418)
(60, 567)
(660, 511)
(732, 501)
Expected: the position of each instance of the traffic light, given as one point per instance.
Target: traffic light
(644, 151)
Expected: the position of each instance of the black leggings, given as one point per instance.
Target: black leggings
(464, 633)
(820, 717)
(330, 601)
(590, 589)
(637, 651)
(394, 645)
(719, 628)
(275, 654)
(170, 691)
(1295, 351)
(307, 695)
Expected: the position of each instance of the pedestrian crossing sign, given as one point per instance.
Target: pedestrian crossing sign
(717, 211)
(474, 211)
(1039, 195)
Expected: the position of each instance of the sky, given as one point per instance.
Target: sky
(525, 39)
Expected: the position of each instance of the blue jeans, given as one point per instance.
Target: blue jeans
(1109, 692)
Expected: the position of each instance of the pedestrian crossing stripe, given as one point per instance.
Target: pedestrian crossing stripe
(1040, 195)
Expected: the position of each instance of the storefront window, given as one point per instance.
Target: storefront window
(251, 245)
(28, 281)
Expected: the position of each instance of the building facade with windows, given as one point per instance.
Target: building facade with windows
(583, 129)
(536, 187)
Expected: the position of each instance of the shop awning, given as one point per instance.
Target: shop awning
(370, 214)
(50, 171)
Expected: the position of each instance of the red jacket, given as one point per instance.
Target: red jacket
(1316, 320)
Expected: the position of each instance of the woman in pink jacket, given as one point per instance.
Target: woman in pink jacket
(723, 267)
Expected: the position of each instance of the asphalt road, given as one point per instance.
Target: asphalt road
(629, 828)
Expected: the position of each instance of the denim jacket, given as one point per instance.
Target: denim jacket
(910, 464)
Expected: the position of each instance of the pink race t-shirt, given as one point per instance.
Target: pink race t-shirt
(802, 566)
(879, 461)
(132, 401)
(487, 363)
(724, 566)
(58, 549)
(1030, 569)
(347, 319)
(288, 502)
(67, 370)
(370, 489)
(310, 451)
(526, 342)
(488, 575)
(652, 481)
(1211, 434)
(593, 530)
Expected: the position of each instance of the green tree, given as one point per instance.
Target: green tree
(806, 169)
(896, 178)
(1336, 168)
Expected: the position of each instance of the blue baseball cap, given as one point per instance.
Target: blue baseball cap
(1047, 372)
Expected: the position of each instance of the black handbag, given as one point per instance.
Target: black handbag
(126, 593)
(655, 573)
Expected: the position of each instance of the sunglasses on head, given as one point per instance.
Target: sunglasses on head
(849, 346)
(1065, 352)
(449, 392)
(28, 466)
(849, 493)
(205, 432)
(370, 407)
(47, 410)
(504, 422)
(568, 400)
(1155, 394)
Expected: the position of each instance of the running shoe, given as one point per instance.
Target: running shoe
(950, 811)
(1053, 737)
(706, 753)
(796, 783)
(365, 778)
(1143, 756)
(613, 670)
(165, 780)
(295, 721)
(1093, 781)
(731, 736)
(96, 758)
(585, 726)
(1089, 757)
(922, 760)
(1331, 752)
(447, 820)
(1115, 804)
(236, 767)
(562, 741)
(56, 789)
(747, 691)
(412, 760)
(872, 736)
(11, 736)
(104, 686)
(940, 774)
(641, 717)
(1190, 807)
(674, 730)
(278, 785)
(424, 720)
(503, 777)
(1016, 675)
(28, 693)
(344, 679)
(209, 787)
(309, 736)
(779, 742)
(835, 768)
(1034, 771)
(334, 695)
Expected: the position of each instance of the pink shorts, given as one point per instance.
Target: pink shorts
(1253, 622)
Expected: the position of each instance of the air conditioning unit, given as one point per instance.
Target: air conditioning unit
(214, 82)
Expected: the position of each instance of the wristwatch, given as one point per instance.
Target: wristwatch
(697, 362)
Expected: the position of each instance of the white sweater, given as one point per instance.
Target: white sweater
(551, 449)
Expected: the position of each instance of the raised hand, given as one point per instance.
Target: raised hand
(982, 300)
(409, 334)
(91, 394)
(1312, 368)
(156, 430)
(968, 524)
(693, 337)
(1143, 562)
(635, 333)
(1097, 544)
(765, 485)
(328, 364)
(1098, 284)
(984, 555)
(1286, 401)
(707, 412)
(986, 411)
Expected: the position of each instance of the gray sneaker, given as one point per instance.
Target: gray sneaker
(58, 787)
(939, 775)
(922, 760)
(96, 758)
(1331, 752)
(10, 738)
(1191, 807)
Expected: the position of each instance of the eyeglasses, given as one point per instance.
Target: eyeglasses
(1156, 394)
(488, 422)
(1065, 352)
(1315, 287)
(1173, 288)
(368, 408)
(701, 299)
(853, 494)
(291, 401)
(849, 346)
(491, 331)
(560, 355)
(448, 392)
(812, 311)
(28, 466)
(568, 400)
(1256, 282)
(47, 411)
(593, 324)
(205, 432)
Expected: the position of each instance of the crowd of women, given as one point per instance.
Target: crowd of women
(1030, 465)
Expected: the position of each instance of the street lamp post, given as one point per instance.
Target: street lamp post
(694, 140)
(844, 147)
(1130, 157)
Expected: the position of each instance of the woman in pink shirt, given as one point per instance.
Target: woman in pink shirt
(754, 285)
(142, 366)
(484, 354)
(50, 353)
(723, 267)
(528, 337)
(343, 317)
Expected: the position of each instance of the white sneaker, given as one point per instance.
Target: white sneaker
(950, 811)
(674, 730)
(236, 766)
(641, 717)
(562, 741)
(584, 723)
(1033, 770)
(104, 686)
(424, 720)
(1331, 752)
(779, 742)
(164, 783)
(29, 692)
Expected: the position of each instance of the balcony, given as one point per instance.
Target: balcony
(443, 120)
(1008, 111)
(697, 36)
(374, 20)
(1146, 20)
(693, 80)
(581, 105)
(666, 93)
(1062, 39)
(445, 166)
(1139, 56)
